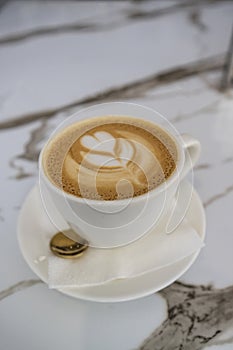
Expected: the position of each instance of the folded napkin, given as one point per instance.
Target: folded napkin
(151, 252)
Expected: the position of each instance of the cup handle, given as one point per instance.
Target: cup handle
(192, 150)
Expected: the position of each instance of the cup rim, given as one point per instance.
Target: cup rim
(160, 188)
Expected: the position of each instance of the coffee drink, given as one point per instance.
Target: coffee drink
(110, 158)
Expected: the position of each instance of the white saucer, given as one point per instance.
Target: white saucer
(35, 231)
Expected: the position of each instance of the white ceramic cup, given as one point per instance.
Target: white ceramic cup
(113, 223)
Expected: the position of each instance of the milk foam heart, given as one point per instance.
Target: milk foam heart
(103, 149)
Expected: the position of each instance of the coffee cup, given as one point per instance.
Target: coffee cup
(142, 160)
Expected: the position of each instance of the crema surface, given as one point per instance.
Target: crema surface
(110, 158)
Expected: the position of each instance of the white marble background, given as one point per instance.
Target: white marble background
(57, 57)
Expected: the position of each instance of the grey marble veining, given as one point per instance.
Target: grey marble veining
(18, 287)
(218, 196)
(66, 70)
(57, 58)
(1, 216)
(209, 108)
(197, 315)
(30, 152)
(127, 91)
(128, 14)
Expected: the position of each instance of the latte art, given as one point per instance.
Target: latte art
(110, 158)
(105, 149)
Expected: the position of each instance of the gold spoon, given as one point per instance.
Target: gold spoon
(64, 247)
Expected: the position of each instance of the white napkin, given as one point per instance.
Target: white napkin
(98, 266)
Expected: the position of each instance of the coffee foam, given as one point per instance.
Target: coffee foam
(110, 158)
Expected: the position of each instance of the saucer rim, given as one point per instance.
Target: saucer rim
(80, 292)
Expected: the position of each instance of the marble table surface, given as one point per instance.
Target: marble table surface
(57, 57)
